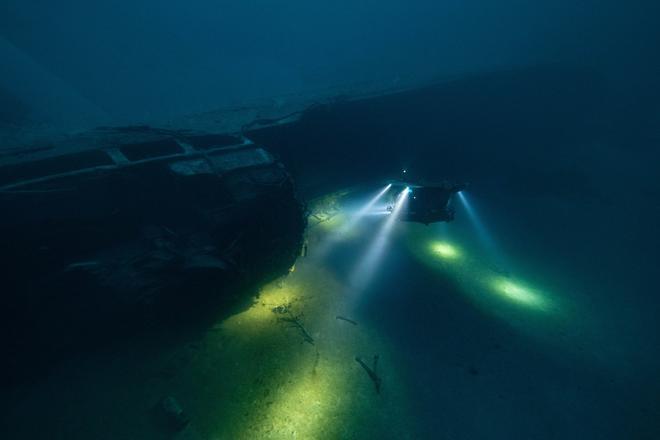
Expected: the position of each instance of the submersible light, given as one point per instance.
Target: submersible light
(353, 219)
(364, 271)
(478, 224)
(365, 210)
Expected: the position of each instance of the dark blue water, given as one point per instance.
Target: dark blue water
(543, 326)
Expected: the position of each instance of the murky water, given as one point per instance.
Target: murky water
(472, 341)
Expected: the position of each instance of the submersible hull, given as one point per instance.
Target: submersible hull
(118, 229)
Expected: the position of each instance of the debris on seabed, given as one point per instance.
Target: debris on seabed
(371, 372)
(341, 318)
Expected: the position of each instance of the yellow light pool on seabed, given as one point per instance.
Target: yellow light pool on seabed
(519, 293)
(259, 317)
(444, 250)
(309, 408)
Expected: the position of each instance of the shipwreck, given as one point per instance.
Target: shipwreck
(118, 229)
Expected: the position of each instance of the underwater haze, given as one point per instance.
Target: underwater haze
(348, 219)
(83, 63)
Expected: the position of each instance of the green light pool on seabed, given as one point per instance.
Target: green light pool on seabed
(444, 250)
(476, 278)
(518, 293)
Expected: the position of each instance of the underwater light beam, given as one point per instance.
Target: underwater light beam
(334, 237)
(366, 209)
(365, 270)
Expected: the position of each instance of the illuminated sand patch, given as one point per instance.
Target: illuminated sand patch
(551, 312)
(327, 212)
(329, 223)
(316, 404)
(258, 379)
(517, 301)
(518, 293)
(334, 218)
(475, 277)
(327, 227)
(444, 250)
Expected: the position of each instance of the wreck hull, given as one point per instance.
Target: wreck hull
(97, 253)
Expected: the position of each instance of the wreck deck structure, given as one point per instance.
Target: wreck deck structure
(122, 228)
